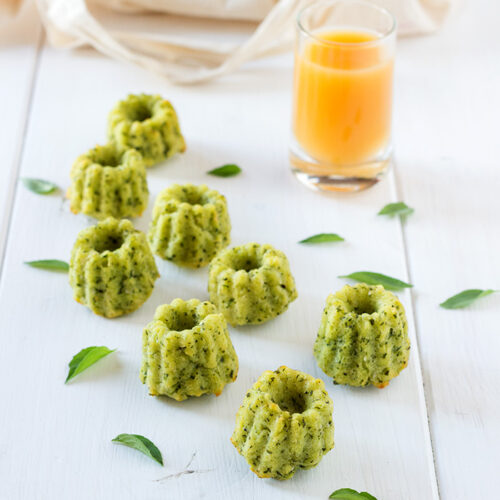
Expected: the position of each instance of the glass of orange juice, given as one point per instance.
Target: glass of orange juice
(342, 96)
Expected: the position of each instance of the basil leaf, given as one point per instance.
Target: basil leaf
(39, 186)
(322, 238)
(399, 208)
(349, 494)
(378, 279)
(140, 443)
(49, 264)
(85, 358)
(463, 299)
(225, 170)
(345, 494)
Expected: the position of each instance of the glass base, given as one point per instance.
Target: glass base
(345, 178)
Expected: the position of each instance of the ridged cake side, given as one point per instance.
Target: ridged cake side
(187, 351)
(190, 225)
(112, 270)
(251, 283)
(147, 123)
(108, 183)
(363, 336)
(284, 423)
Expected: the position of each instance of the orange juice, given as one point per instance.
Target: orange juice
(343, 97)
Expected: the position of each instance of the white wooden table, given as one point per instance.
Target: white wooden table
(433, 433)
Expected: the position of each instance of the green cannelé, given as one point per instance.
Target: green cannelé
(190, 225)
(363, 336)
(108, 182)
(251, 283)
(187, 351)
(284, 423)
(147, 123)
(112, 270)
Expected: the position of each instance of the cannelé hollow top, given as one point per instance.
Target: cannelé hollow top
(190, 224)
(147, 123)
(187, 351)
(251, 283)
(363, 336)
(109, 182)
(284, 423)
(112, 269)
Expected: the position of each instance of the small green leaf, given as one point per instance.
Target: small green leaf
(377, 279)
(399, 208)
(349, 494)
(463, 299)
(322, 238)
(140, 443)
(39, 186)
(49, 264)
(85, 358)
(225, 170)
(345, 494)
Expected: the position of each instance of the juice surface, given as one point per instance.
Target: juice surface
(343, 97)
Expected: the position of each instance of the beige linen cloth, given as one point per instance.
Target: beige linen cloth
(215, 38)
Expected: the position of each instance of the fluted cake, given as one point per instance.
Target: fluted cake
(147, 123)
(187, 351)
(190, 225)
(112, 270)
(109, 182)
(363, 336)
(284, 424)
(251, 283)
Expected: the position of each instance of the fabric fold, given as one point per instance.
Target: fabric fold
(147, 32)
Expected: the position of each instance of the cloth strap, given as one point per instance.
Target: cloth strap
(123, 29)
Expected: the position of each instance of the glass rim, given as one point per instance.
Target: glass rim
(382, 10)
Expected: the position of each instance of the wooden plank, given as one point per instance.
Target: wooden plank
(20, 39)
(61, 434)
(448, 148)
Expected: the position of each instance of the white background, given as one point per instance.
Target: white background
(433, 433)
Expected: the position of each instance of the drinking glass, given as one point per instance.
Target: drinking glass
(342, 96)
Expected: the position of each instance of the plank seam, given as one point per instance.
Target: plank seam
(397, 188)
(18, 158)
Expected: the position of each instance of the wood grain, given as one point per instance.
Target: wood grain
(19, 44)
(61, 435)
(448, 156)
